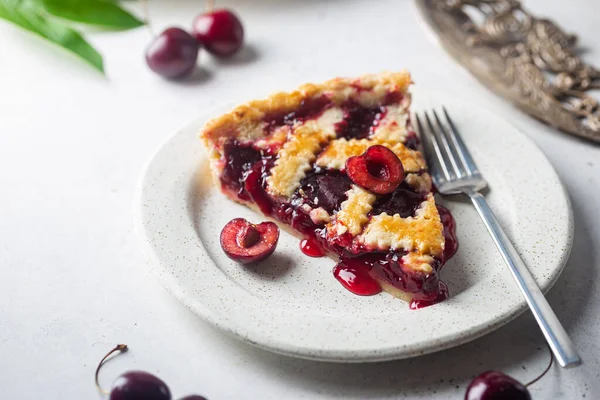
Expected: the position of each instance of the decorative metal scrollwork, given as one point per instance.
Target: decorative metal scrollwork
(528, 60)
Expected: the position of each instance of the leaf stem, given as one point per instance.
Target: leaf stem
(120, 347)
(210, 5)
(146, 13)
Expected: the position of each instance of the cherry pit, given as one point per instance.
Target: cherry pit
(173, 53)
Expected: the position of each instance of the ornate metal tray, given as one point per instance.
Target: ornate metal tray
(528, 60)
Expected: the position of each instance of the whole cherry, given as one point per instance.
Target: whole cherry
(173, 53)
(245, 242)
(219, 31)
(495, 385)
(134, 385)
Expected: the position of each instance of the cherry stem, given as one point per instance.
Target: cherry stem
(545, 371)
(120, 347)
(210, 4)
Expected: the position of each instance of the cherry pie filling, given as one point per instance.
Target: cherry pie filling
(360, 270)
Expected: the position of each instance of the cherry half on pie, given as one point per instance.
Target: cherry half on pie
(339, 164)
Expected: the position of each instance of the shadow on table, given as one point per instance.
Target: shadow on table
(508, 346)
(249, 53)
(574, 287)
(200, 75)
(206, 69)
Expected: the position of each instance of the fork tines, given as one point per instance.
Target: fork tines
(449, 157)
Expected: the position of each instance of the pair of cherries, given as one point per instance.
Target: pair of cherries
(378, 169)
(138, 385)
(173, 53)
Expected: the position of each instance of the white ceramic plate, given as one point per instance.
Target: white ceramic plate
(292, 304)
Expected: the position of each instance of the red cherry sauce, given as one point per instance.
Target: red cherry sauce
(311, 247)
(308, 109)
(390, 268)
(442, 295)
(359, 122)
(403, 201)
(238, 159)
(449, 233)
(412, 141)
(354, 277)
(449, 250)
(253, 186)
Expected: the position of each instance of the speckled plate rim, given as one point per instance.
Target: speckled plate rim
(243, 323)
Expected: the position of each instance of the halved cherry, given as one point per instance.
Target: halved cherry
(378, 169)
(245, 242)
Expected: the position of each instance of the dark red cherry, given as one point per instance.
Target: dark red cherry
(173, 53)
(359, 121)
(219, 31)
(400, 201)
(326, 190)
(494, 385)
(139, 385)
(246, 242)
(378, 169)
(193, 397)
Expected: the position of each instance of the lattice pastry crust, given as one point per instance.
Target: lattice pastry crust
(299, 146)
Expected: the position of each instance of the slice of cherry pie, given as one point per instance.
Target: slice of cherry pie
(338, 162)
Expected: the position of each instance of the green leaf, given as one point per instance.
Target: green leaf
(94, 12)
(30, 16)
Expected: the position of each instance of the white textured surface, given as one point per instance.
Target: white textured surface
(72, 144)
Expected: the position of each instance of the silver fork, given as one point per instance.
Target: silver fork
(454, 171)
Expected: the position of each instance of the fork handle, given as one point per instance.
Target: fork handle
(555, 334)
